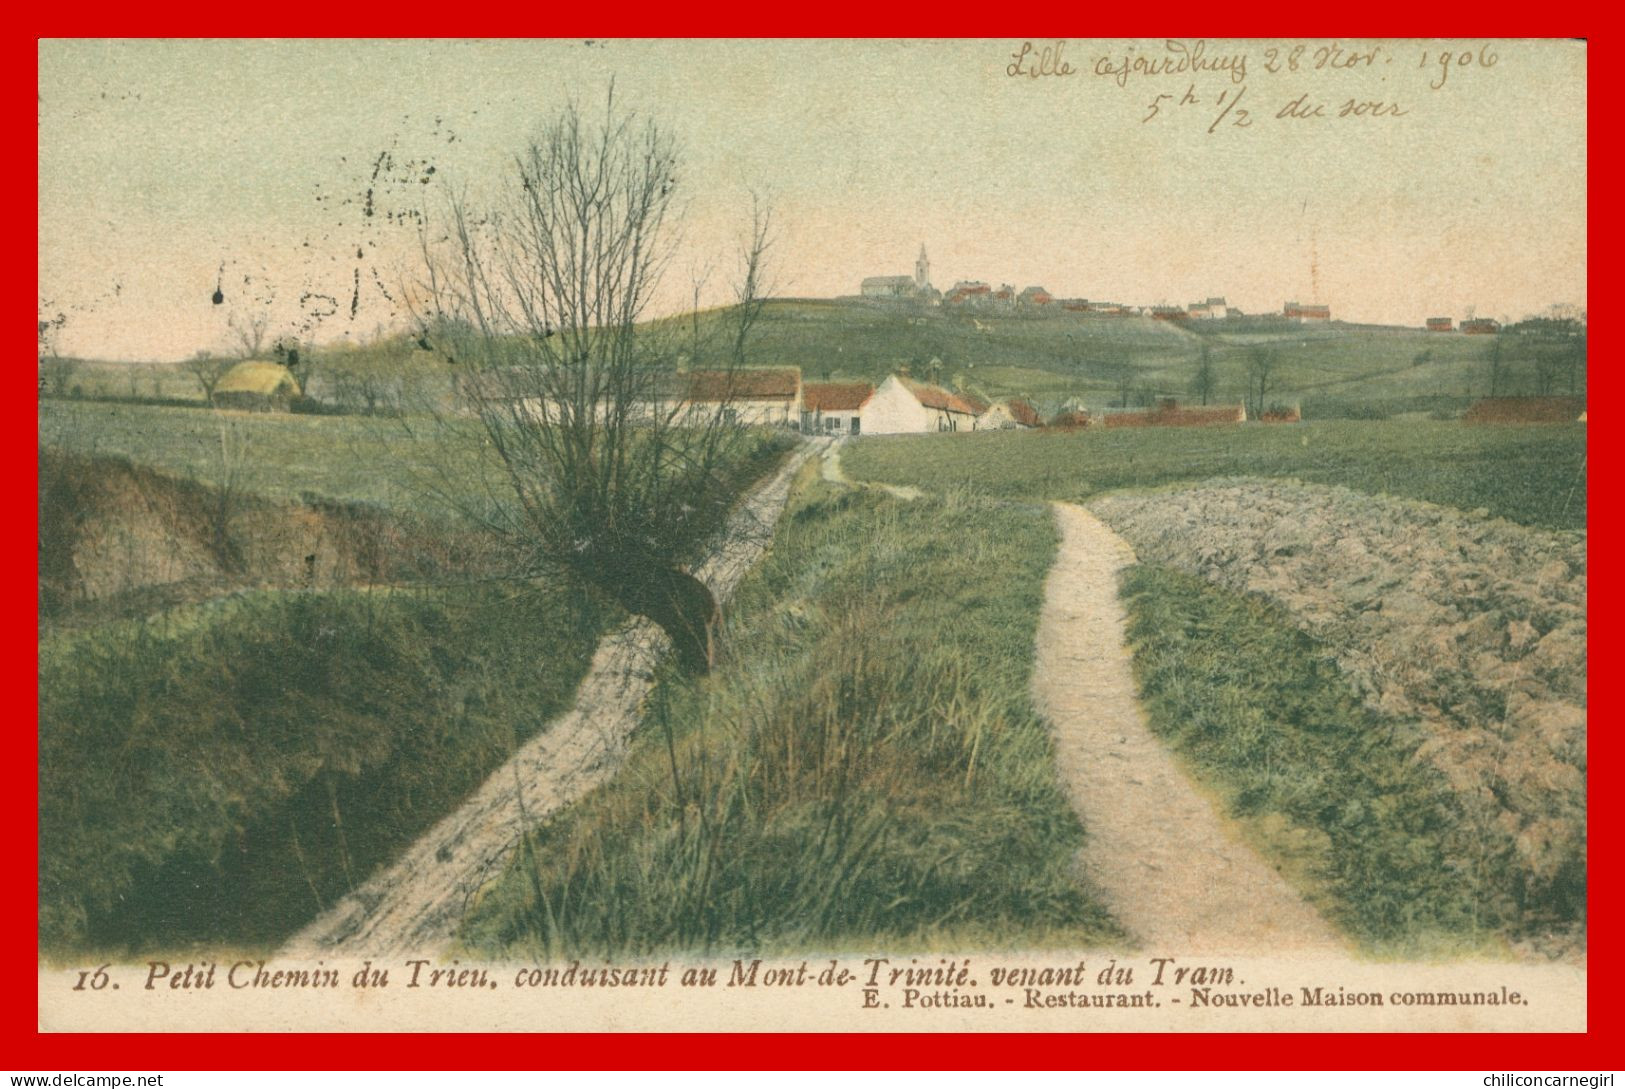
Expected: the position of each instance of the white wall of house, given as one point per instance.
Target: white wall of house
(941, 419)
(996, 418)
(894, 410)
(754, 413)
(837, 422)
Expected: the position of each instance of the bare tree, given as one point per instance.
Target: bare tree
(208, 369)
(56, 371)
(1549, 362)
(248, 331)
(1576, 355)
(361, 387)
(228, 492)
(297, 357)
(606, 462)
(1497, 363)
(1204, 382)
(1262, 363)
(698, 277)
(751, 289)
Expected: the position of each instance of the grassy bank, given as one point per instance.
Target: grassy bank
(865, 766)
(221, 774)
(1332, 792)
(1533, 475)
(403, 464)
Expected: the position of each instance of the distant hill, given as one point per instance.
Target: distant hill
(1052, 355)
(1048, 355)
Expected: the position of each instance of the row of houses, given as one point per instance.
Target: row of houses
(897, 406)
(1470, 326)
(900, 405)
(778, 397)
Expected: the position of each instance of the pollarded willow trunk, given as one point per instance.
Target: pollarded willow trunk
(682, 605)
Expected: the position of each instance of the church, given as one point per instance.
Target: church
(916, 288)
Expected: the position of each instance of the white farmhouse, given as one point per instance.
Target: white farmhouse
(901, 406)
(1011, 415)
(834, 408)
(765, 397)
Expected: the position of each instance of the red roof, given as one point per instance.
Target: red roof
(939, 398)
(1525, 410)
(1073, 418)
(836, 396)
(1167, 416)
(781, 384)
(1024, 413)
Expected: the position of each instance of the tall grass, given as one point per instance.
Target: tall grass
(864, 766)
(224, 773)
(1534, 475)
(1339, 796)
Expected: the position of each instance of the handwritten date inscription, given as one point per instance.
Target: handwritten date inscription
(1212, 81)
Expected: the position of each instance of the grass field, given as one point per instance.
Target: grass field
(220, 774)
(219, 771)
(1331, 792)
(287, 456)
(1533, 475)
(406, 464)
(864, 767)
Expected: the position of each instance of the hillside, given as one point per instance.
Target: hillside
(1048, 356)
(1336, 369)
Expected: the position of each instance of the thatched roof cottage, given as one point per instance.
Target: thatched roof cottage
(257, 384)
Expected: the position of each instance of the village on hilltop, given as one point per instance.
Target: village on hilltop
(917, 289)
(978, 294)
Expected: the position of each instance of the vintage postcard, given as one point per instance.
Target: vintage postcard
(968, 536)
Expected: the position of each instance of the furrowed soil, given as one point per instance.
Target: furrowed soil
(1469, 626)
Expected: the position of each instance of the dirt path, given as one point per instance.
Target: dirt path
(833, 473)
(1166, 860)
(416, 904)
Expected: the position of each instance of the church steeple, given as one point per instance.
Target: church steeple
(922, 270)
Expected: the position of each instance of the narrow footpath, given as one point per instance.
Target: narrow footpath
(833, 473)
(1168, 863)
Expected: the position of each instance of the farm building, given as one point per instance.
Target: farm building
(760, 397)
(1493, 410)
(834, 407)
(1281, 414)
(1024, 413)
(1034, 296)
(767, 397)
(1480, 326)
(1441, 325)
(968, 291)
(257, 384)
(902, 406)
(1307, 312)
(1008, 416)
(1169, 414)
(1071, 419)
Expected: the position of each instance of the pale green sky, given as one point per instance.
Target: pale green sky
(161, 161)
